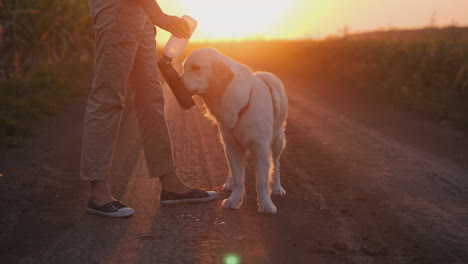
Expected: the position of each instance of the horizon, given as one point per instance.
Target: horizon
(302, 19)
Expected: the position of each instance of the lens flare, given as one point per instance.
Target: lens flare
(232, 259)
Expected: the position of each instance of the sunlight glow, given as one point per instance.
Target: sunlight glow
(227, 19)
(296, 19)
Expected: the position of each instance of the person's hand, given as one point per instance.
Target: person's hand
(175, 25)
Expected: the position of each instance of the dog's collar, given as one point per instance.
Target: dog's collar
(270, 88)
(243, 109)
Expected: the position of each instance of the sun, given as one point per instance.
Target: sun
(239, 19)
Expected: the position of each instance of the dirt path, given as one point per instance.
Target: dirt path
(366, 184)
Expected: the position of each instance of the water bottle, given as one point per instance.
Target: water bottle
(174, 48)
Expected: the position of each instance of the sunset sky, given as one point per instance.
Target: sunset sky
(291, 19)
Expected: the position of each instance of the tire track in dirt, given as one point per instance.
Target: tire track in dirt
(400, 205)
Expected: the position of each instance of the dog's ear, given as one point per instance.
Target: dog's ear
(222, 76)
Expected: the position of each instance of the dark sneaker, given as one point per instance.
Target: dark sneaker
(112, 209)
(194, 196)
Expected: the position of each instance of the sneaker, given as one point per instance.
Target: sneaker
(111, 209)
(194, 196)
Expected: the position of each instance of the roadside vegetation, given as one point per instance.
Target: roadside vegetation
(427, 72)
(39, 32)
(45, 52)
(37, 94)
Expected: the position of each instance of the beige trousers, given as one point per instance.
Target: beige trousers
(125, 56)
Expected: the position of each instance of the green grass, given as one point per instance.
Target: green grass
(37, 94)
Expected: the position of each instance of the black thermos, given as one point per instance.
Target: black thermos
(175, 83)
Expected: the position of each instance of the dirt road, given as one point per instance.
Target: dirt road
(366, 183)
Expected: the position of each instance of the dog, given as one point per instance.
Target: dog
(251, 111)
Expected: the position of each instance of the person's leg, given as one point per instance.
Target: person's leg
(100, 193)
(148, 101)
(114, 56)
(103, 114)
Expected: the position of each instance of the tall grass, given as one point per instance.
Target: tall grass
(42, 46)
(42, 31)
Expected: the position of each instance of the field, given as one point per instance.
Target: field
(427, 74)
(423, 69)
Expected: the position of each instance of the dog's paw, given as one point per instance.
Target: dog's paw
(230, 204)
(267, 208)
(278, 191)
(228, 186)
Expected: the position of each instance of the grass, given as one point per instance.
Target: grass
(42, 92)
(427, 74)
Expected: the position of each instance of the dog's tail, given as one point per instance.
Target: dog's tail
(278, 94)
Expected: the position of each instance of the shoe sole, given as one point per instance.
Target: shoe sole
(125, 213)
(185, 201)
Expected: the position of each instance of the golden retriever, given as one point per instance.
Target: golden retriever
(251, 111)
